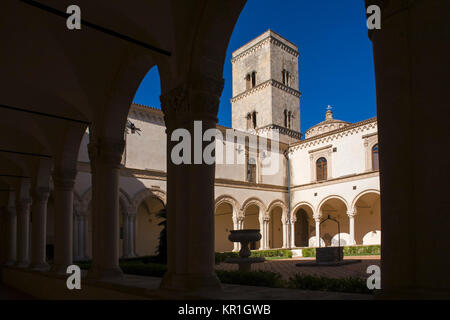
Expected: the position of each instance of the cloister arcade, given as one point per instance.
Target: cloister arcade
(77, 79)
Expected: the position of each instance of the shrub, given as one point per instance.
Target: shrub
(251, 278)
(281, 253)
(362, 250)
(309, 252)
(349, 251)
(308, 282)
(221, 256)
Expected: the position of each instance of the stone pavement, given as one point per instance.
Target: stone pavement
(288, 268)
(8, 293)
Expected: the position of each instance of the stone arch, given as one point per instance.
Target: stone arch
(303, 225)
(149, 192)
(276, 228)
(359, 195)
(330, 232)
(224, 221)
(281, 204)
(318, 208)
(254, 201)
(227, 199)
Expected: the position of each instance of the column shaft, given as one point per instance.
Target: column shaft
(63, 192)
(11, 233)
(39, 232)
(106, 154)
(317, 220)
(23, 231)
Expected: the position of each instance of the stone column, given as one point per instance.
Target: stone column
(82, 234)
(76, 240)
(412, 75)
(351, 220)
(129, 218)
(292, 224)
(63, 181)
(105, 156)
(39, 226)
(317, 220)
(235, 227)
(23, 231)
(11, 233)
(262, 227)
(126, 235)
(190, 187)
(132, 233)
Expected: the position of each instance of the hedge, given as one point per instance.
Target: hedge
(308, 282)
(349, 251)
(280, 253)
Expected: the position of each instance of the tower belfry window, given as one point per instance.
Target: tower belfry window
(254, 119)
(285, 76)
(289, 119)
(285, 117)
(253, 79)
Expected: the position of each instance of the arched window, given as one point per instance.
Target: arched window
(254, 119)
(375, 163)
(321, 169)
(289, 119)
(285, 118)
(253, 79)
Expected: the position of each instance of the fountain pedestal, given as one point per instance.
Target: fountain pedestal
(244, 237)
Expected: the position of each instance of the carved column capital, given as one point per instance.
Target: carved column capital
(23, 206)
(64, 179)
(197, 98)
(317, 218)
(41, 194)
(351, 213)
(107, 151)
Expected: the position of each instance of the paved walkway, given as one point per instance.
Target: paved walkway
(288, 268)
(7, 293)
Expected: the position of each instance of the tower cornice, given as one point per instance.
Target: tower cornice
(270, 82)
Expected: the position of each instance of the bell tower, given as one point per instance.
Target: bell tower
(265, 87)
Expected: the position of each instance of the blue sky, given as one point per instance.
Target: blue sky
(335, 61)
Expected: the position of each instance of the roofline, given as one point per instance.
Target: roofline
(294, 47)
(351, 126)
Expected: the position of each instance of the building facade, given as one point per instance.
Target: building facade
(333, 172)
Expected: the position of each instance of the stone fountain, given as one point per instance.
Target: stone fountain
(244, 236)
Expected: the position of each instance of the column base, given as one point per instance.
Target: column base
(191, 282)
(43, 266)
(105, 273)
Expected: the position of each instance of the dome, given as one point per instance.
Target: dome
(328, 125)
